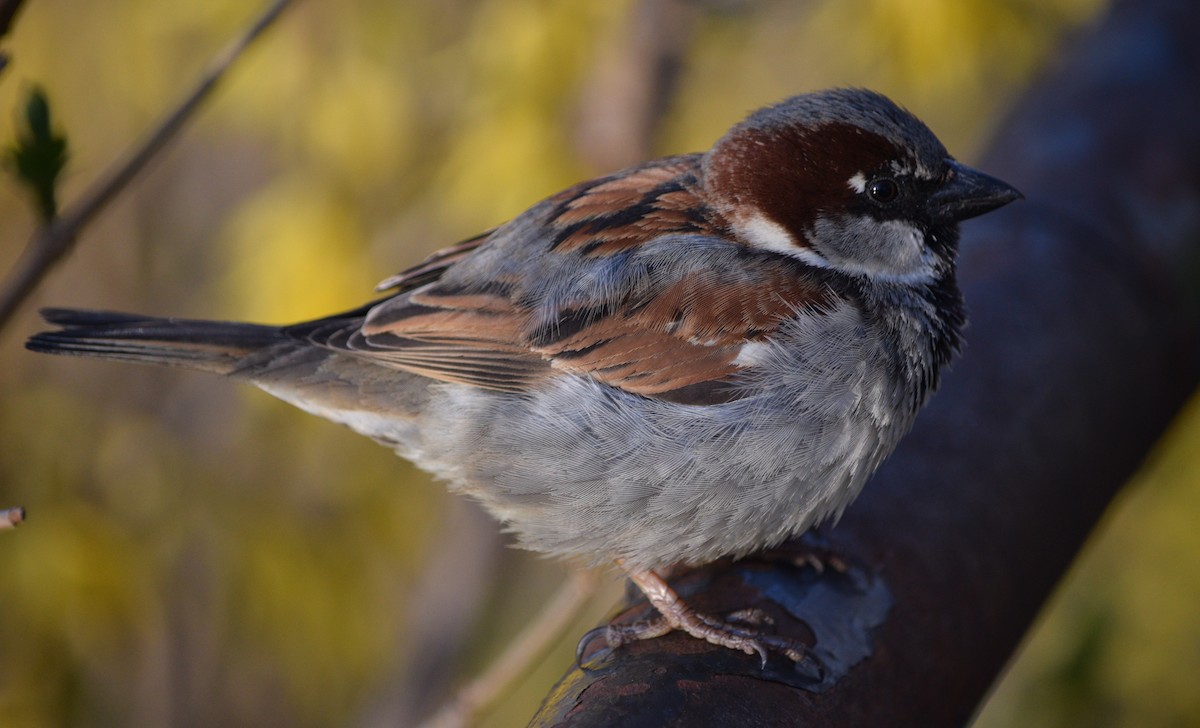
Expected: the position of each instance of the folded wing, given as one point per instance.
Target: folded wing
(631, 280)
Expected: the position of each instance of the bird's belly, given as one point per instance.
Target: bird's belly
(585, 470)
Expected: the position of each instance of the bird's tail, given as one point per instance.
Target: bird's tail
(220, 347)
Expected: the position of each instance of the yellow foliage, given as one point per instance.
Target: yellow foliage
(294, 252)
(511, 146)
(360, 123)
(305, 607)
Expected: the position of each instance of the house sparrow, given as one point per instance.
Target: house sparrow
(700, 356)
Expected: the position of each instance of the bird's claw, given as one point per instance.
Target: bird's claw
(715, 631)
(738, 631)
(586, 640)
(616, 635)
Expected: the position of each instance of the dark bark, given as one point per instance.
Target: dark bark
(1080, 350)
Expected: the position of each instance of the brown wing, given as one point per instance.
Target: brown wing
(476, 341)
(678, 301)
(610, 214)
(682, 344)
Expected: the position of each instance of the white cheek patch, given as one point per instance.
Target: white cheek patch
(762, 232)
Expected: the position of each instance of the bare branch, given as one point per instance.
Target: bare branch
(54, 240)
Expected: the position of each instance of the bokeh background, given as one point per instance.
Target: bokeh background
(199, 554)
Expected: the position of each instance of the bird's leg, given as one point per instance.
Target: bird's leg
(675, 614)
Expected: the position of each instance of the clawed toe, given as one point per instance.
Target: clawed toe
(741, 630)
(751, 617)
(586, 640)
(713, 630)
(616, 635)
(822, 560)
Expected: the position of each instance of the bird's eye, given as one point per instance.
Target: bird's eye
(883, 190)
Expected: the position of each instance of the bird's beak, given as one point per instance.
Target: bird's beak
(969, 192)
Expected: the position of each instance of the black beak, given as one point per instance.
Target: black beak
(968, 192)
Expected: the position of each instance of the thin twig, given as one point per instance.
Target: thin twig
(8, 13)
(11, 518)
(528, 646)
(54, 240)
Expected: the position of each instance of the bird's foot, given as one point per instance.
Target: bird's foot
(738, 632)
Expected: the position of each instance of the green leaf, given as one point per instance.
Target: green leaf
(39, 154)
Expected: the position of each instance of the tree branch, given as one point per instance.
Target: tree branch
(1080, 351)
(54, 240)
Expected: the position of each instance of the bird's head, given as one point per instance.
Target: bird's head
(846, 179)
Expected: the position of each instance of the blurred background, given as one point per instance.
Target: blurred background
(200, 554)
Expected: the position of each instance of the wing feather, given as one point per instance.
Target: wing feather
(630, 280)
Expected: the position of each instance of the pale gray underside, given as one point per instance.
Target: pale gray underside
(579, 468)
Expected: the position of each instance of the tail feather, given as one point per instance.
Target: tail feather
(213, 346)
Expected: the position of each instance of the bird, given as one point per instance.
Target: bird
(697, 357)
